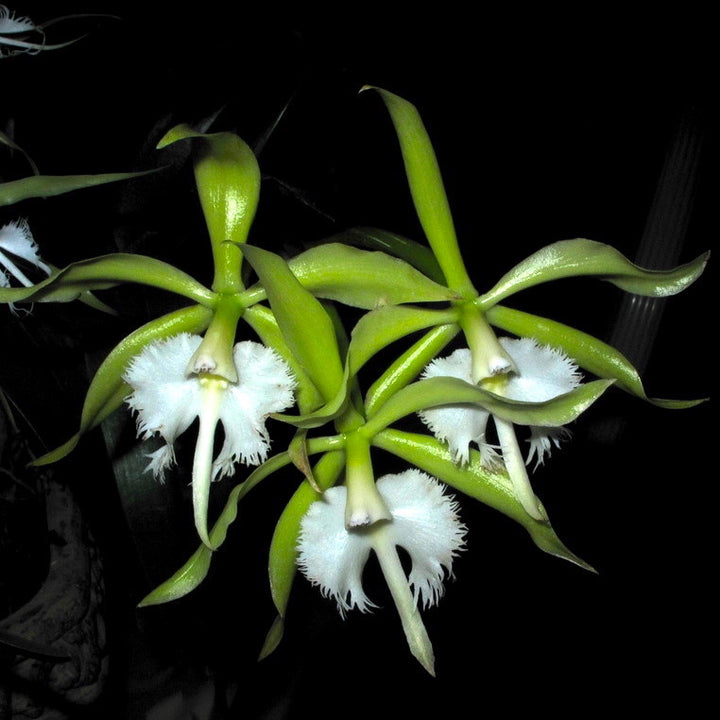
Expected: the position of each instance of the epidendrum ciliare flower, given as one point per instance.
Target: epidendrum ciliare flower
(17, 242)
(169, 393)
(541, 373)
(424, 522)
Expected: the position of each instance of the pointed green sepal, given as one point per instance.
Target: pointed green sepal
(427, 190)
(364, 279)
(580, 257)
(419, 256)
(108, 390)
(305, 324)
(283, 547)
(587, 351)
(108, 271)
(48, 185)
(492, 487)
(438, 391)
(228, 182)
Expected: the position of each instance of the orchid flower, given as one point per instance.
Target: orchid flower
(16, 241)
(424, 521)
(541, 373)
(174, 382)
(15, 33)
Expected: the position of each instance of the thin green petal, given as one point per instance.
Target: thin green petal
(305, 324)
(573, 258)
(437, 391)
(108, 390)
(48, 185)
(491, 487)
(587, 351)
(108, 271)
(283, 548)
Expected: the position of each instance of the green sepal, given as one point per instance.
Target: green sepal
(419, 256)
(363, 278)
(263, 322)
(108, 390)
(107, 271)
(305, 324)
(587, 351)
(48, 185)
(427, 190)
(372, 333)
(437, 391)
(228, 182)
(283, 547)
(195, 570)
(580, 257)
(408, 366)
(491, 487)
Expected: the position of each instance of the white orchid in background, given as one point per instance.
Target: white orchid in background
(21, 35)
(17, 243)
(173, 383)
(424, 522)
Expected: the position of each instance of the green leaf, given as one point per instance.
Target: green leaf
(419, 256)
(364, 279)
(108, 390)
(573, 258)
(427, 190)
(48, 185)
(305, 324)
(108, 271)
(437, 391)
(491, 487)
(587, 351)
(228, 182)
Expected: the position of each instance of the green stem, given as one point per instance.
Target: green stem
(364, 505)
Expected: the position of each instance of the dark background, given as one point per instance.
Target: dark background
(547, 125)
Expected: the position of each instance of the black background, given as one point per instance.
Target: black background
(548, 124)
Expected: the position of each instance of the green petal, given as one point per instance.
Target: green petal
(437, 391)
(194, 571)
(305, 324)
(427, 190)
(364, 279)
(587, 351)
(228, 182)
(572, 258)
(108, 271)
(419, 256)
(491, 487)
(283, 548)
(108, 390)
(263, 322)
(48, 185)
(408, 366)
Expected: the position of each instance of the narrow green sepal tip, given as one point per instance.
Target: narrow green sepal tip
(273, 638)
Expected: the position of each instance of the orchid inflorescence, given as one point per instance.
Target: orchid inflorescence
(486, 393)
